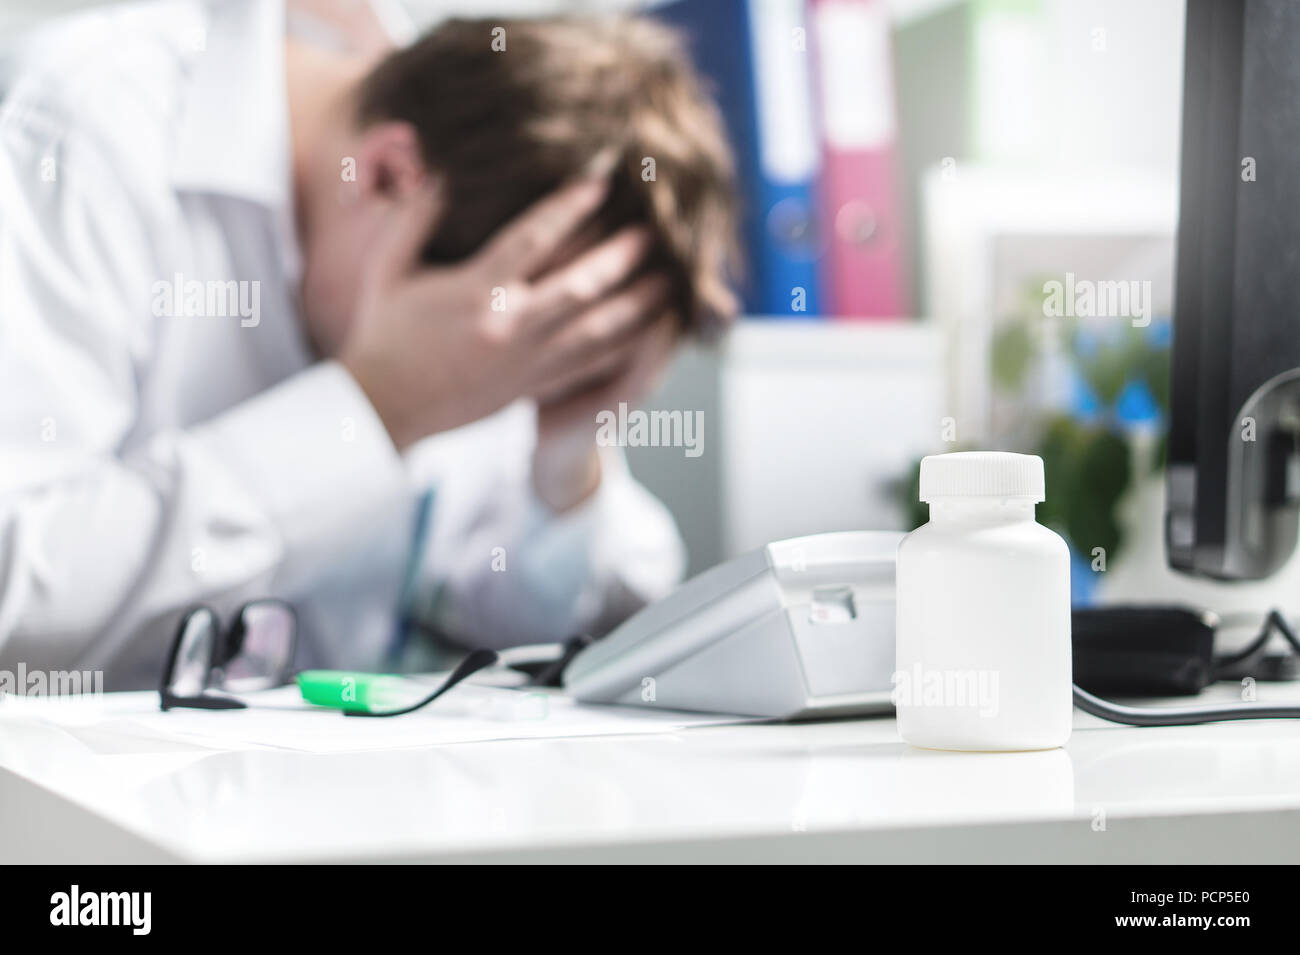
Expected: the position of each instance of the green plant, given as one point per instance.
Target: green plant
(1087, 453)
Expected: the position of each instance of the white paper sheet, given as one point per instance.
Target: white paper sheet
(279, 719)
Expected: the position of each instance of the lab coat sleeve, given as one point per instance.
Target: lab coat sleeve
(523, 574)
(96, 541)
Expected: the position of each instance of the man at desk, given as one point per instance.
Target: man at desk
(280, 320)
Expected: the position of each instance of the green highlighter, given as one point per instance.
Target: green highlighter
(354, 691)
(381, 694)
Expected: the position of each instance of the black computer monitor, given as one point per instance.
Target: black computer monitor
(1234, 436)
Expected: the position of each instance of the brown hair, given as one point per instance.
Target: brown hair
(507, 127)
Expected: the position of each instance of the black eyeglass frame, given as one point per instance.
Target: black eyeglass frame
(225, 646)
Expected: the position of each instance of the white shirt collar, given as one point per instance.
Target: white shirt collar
(233, 136)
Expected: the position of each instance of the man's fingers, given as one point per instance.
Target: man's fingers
(609, 321)
(625, 373)
(523, 245)
(590, 276)
(592, 370)
(411, 225)
(650, 360)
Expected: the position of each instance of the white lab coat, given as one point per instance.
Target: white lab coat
(152, 459)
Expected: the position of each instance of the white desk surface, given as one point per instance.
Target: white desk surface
(837, 791)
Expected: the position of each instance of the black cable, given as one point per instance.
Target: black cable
(1227, 661)
(552, 672)
(1279, 623)
(475, 661)
(1274, 621)
(1180, 715)
(1193, 715)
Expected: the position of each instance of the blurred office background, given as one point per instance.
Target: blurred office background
(917, 172)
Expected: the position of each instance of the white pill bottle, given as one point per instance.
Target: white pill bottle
(983, 630)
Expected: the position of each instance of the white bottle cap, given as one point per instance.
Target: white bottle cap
(982, 474)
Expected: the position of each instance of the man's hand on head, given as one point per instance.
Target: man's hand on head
(566, 467)
(436, 348)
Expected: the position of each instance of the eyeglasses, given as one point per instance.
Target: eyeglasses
(207, 662)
